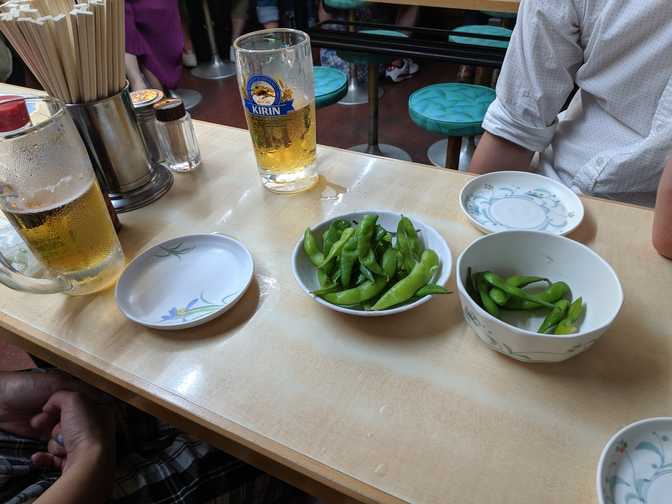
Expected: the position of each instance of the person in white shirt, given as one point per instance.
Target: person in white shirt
(616, 133)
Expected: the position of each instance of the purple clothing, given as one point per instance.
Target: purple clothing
(154, 35)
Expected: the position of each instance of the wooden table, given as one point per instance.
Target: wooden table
(410, 408)
(485, 5)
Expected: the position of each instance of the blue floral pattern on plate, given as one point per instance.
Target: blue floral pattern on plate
(636, 469)
(196, 308)
(551, 215)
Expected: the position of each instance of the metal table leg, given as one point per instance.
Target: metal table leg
(373, 147)
(216, 68)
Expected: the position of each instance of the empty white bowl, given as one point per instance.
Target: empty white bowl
(554, 257)
(635, 465)
(306, 274)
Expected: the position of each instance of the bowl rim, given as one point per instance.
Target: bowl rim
(298, 249)
(469, 186)
(610, 443)
(462, 291)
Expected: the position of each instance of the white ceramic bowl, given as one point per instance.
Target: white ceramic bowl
(510, 200)
(306, 274)
(635, 464)
(557, 258)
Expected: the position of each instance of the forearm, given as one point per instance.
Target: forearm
(496, 154)
(662, 222)
(90, 480)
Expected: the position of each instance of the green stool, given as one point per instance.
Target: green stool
(454, 110)
(481, 74)
(357, 93)
(330, 85)
(372, 61)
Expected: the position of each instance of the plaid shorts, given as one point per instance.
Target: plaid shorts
(156, 464)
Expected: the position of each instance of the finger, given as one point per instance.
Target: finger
(55, 448)
(47, 460)
(43, 423)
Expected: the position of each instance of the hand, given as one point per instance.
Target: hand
(23, 394)
(82, 433)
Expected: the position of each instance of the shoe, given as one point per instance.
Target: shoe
(189, 59)
(398, 73)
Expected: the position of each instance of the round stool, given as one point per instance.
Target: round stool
(481, 73)
(330, 85)
(357, 93)
(372, 61)
(481, 30)
(454, 110)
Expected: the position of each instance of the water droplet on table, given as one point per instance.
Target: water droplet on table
(381, 470)
(386, 410)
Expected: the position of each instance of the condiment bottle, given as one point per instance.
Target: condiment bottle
(143, 106)
(176, 132)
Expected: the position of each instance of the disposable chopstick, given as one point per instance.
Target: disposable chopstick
(45, 30)
(101, 64)
(83, 50)
(66, 52)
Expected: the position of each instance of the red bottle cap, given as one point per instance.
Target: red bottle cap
(13, 113)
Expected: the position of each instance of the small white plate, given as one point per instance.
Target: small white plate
(502, 201)
(636, 465)
(185, 282)
(306, 274)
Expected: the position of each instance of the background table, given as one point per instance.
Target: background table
(487, 5)
(410, 408)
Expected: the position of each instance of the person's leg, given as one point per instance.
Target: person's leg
(156, 460)
(239, 10)
(133, 72)
(153, 81)
(408, 15)
(404, 68)
(268, 13)
(188, 55)
(20, 480)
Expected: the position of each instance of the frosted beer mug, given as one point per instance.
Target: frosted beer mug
(50, 195)
(275, 76)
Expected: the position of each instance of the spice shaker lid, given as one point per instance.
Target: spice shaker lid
(170, 109)
(13, 113)
(145, 98)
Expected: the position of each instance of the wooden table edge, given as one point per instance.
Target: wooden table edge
(264, 453)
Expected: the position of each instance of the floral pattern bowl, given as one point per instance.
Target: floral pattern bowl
(509, 200)
(555, 257)
(636, 464)
(185, 282)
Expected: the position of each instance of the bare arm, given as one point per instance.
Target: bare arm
(88, 481)
(662, 222)
(495, 153)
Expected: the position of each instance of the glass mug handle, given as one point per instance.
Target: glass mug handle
(18, 281)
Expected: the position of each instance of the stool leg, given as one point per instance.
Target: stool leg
(373, 111)
(453, 152)
(483, 76)
(216, 68)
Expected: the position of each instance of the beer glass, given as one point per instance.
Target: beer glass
(275, 77)
(50, 195)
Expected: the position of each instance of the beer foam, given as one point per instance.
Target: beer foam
(50, 197)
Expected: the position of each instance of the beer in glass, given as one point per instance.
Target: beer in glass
(275, 75)
(49, 193)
